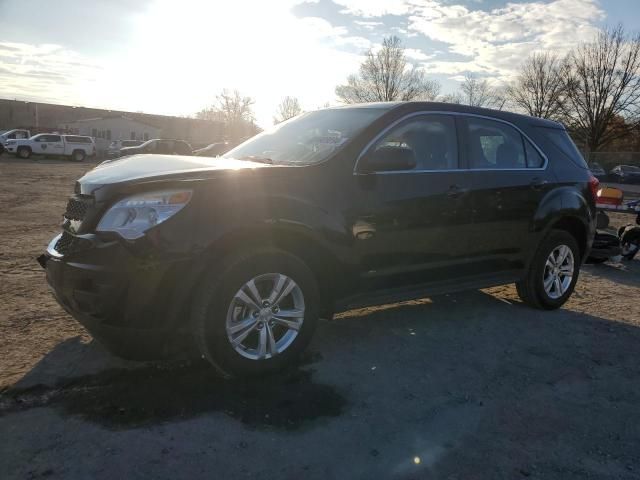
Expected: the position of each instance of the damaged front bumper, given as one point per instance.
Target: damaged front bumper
(131, 305)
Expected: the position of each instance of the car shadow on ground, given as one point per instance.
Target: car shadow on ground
(455, 380)
(90, 383)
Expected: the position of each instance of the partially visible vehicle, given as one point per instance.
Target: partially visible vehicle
(625, 174)
(76, 147)
(597, 171)
(114, 147)
(630, 235)
(213, 150)
(159, 146)
(606, 245)
(15, 134)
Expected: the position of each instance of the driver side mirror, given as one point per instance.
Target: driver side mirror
(388, 159)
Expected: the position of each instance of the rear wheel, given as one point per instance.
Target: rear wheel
(257, 315)
(78, 155)
(24, 152)
(553, 272)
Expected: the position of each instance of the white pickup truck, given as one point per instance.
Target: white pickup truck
(76, 147)
(15, 134)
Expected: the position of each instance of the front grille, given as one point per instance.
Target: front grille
(65, 243)
(68, 243)
(77, 208)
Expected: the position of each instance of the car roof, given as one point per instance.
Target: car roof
(409, 107)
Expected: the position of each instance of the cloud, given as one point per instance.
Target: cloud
(50, 71)
(491, 42)
(369, 25)
(496, 41)
(374, 8)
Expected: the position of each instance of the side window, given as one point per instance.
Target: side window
(41, 138)
(54, 138)
(534, 159)
(494, 144)
(432, 138)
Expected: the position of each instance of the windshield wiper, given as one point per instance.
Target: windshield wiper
(257, 158)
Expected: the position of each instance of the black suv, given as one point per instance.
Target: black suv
(337, 208)
(159, 146)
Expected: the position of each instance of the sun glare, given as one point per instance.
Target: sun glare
(177, 62)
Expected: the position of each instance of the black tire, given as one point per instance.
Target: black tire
(78, 155)
(531, 289)
(24, 152)
(214, 298)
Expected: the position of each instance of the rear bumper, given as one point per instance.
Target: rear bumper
(131, 307)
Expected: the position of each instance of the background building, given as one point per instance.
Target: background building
(102, 124)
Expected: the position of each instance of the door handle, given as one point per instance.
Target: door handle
(455, 191)
(538, 183)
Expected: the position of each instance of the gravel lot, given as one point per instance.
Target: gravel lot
(466, 386)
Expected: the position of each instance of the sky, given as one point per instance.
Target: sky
(173, 57)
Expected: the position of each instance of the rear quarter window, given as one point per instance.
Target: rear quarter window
(561, 140)
(74, 139)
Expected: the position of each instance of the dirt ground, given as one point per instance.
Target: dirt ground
(466, 386)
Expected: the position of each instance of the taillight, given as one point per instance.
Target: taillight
(594, 183)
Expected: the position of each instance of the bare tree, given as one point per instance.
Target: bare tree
(479, 93)
(289, 107)
(235, 111)
(539, 89)
(603, 84)
(234, 108)
(385, 75)
(455, 98)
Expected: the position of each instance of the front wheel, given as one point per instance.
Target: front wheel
(553, 272)
(257, 314)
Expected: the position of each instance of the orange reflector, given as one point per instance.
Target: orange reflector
(609, 196)
(179, 198)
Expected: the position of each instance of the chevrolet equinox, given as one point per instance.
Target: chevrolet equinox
(334, 209)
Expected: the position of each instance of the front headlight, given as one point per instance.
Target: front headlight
(135, 215)
(9, 142)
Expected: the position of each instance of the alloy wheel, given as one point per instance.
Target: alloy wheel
(558, 271)
(265, 316)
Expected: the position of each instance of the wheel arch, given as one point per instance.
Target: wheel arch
(300, 242)
(567, 209)
(578, 230)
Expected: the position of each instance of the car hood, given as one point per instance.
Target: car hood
(157, 167)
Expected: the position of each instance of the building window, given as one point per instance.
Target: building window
(94, 132)
(108, 134)
(133, 135)
(146, 136)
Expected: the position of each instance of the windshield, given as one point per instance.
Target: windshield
(307, 139)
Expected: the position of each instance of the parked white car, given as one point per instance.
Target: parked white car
(76, 147)
(15, 134)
